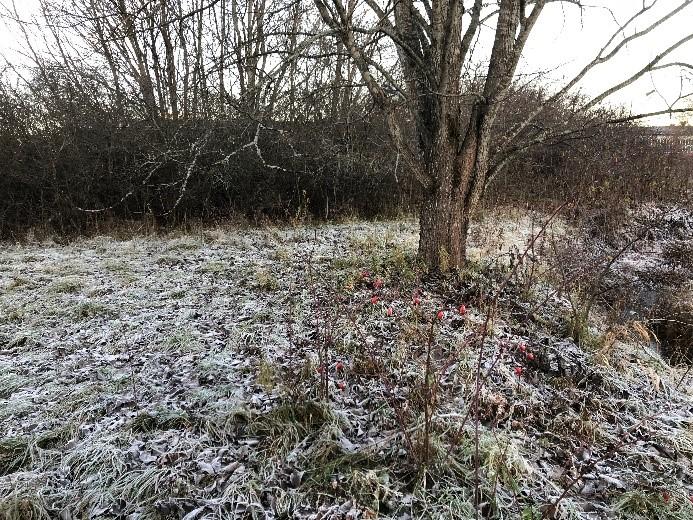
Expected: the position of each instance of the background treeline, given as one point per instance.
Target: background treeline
(195, 109)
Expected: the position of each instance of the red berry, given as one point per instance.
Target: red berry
(666, 496)
(341, 385)
(530, 356)
(463, 310)
(417, 300)
(389, 311)
(522, 347)
(440, 315)
(374, 299)
(518, 371)
(339, 366)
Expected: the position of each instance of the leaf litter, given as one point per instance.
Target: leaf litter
(177, 377)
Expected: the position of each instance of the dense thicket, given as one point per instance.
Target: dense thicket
(169, 111)
(73, 165)
(89, 165)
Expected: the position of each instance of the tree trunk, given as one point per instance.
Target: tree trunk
(446, 211)
(444, 221)
(443, 231)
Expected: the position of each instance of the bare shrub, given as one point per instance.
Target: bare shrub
(672, 323)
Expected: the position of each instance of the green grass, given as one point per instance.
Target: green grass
(215, 267)
(169, 261)
(177, 294)
(182, 341)
(66, 286)
(649, 505)
(117, 266)
(25, 502)
(18, 282)
(14, 453)
(88, 310)
(161, 419)
(185, 243)
(10, 383)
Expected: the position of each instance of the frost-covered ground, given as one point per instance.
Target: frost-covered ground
(182, 377)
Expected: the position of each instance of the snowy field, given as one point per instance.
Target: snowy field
(281, 373)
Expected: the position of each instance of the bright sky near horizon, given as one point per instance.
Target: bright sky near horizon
(564, 40)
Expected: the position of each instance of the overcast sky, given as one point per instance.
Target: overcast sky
(565, 39)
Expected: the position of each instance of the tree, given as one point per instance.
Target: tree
(453, 122)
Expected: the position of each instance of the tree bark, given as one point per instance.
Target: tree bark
(449, 203)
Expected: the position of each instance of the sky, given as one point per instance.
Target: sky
(564, 40)
(567, 39)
